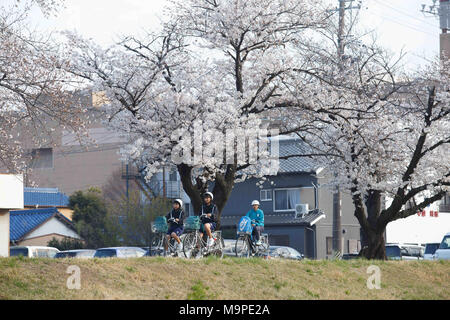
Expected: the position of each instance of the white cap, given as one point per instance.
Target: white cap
(255, 202)
(180, 202)
(209, 194)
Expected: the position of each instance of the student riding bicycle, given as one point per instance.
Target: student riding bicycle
(208, 217)
(257, 217)
(175, 219)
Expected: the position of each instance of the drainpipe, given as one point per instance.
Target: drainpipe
(315, 242)
(316, 195)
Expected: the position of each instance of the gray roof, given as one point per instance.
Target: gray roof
(296, 164)
(278, 219)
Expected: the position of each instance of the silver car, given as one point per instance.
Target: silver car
(79, 254)
(119, 252)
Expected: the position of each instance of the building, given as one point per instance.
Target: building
(47, 198)
(37, 227)
(300, 180)
(11, 197)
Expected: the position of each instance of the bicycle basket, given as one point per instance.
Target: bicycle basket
(160, 225)
(245, 226)
(192, 223)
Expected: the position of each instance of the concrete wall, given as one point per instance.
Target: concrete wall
(444, 40)
(4, 233)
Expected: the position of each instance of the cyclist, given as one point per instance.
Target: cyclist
(209, 221)
(175, 218)
(257, 216)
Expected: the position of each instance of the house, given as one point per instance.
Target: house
(37, 227)
(47, 198)
(300, 180)
(11, 197)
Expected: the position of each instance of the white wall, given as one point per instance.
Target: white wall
(11, 191)
(418, 229)
(4, 233)
(53, 226)
(11, 197)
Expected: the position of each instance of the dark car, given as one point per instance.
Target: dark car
(350, 256)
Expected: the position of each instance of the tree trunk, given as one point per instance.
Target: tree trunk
(373, 240)
(375, 248)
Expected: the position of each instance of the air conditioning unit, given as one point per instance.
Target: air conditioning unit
(300, 210)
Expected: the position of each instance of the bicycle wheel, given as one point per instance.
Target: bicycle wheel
(156, 245)
(190, 245)
(242, 248)
(219, 246)
(264, 247)
(165, 243)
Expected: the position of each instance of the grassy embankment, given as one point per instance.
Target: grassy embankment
(230, 278)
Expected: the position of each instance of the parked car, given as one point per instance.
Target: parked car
(119, 252)
(430, 249)
(33, 251)
(443, 252)
(80, 254)
(349, 256)
(283, 252)
(404, 252)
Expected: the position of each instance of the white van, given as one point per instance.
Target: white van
(33, 251)
(443, 252)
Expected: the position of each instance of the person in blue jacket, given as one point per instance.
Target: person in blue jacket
(257, 217)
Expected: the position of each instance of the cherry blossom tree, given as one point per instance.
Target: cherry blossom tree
(386, 133)
(216, 68)
(34, 89)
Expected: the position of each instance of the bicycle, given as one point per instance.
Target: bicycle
(160, 227)
(195, 246)
(245, 246)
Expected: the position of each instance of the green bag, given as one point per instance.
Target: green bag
(160, 225)
(192, 223)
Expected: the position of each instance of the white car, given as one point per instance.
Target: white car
(398, 251)
(33, 251)
(120, 252)
(443, 252)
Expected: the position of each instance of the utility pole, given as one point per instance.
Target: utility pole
(443, 12)
(337, 211)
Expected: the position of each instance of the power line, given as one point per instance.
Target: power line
(403, 24)
(406, 14)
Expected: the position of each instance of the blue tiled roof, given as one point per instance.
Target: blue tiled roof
(22, 222)
(45, 197)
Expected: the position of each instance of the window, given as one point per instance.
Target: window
(286, 199)
(265, 195)
(173, 175)
(445, 244)
(18, 252)
(42, 158)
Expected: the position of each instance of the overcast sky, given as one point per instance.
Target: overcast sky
(399, 24)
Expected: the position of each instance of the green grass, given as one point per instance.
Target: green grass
(228, 278)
